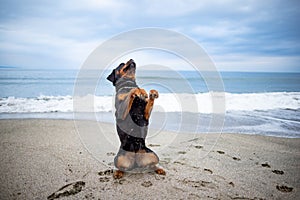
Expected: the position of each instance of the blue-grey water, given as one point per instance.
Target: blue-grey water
(257, 103)
(33, 83)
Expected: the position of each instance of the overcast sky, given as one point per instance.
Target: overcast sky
(238, 35)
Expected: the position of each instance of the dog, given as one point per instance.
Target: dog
(133, 109)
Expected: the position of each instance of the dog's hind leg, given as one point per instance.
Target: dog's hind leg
(149, 161)
(153, 94)
(124, 162)
(145, 160)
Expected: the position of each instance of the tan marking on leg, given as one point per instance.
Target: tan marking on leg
(153, 94)
(125, 162)
(129, 99)
(143, 94)
(146, 159)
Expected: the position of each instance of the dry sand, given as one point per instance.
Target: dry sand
(43, 159)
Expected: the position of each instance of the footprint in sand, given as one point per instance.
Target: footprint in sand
(197, 184)
(67, 190)
(278, 172)
(177, 162)
(235, 158)
(208, 170)
(104, 179)
(284, 188)
(110, 154)
(104, 175)
(106, 172)
(221, 152)
(198, 147)
(266, 165)
(147, 184)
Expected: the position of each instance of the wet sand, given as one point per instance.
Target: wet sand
(43, 159)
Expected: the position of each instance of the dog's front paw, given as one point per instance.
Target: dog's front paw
(135, 92)
(153, 94)
(143, 94)
(140, 93)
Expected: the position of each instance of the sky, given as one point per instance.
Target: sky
(238, 35)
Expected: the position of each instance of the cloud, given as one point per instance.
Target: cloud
(39, 33)
(169, 8)
(96, 5)
(257, 63)
(221, 31)
(55, 39)
(48, 50)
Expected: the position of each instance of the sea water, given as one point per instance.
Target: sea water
(255, 103)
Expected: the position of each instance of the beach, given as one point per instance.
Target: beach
(225, 122)
(43, 158)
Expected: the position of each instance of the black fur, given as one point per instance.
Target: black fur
(133, 129)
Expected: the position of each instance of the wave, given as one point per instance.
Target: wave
(167, 102)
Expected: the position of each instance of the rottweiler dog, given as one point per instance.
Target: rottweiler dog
(133, 108)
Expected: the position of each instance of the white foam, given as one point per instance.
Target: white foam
(196, 103)
(202, 103)
(263, 101)
(36, 105)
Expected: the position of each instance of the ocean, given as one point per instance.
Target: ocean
(256, 103)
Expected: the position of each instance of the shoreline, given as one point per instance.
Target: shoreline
(108, 117)
(42, 158)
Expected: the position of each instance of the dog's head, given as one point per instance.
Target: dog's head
(125, 71)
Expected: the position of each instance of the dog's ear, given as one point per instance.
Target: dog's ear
(112, 77)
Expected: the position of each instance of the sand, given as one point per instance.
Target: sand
(43, 159)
